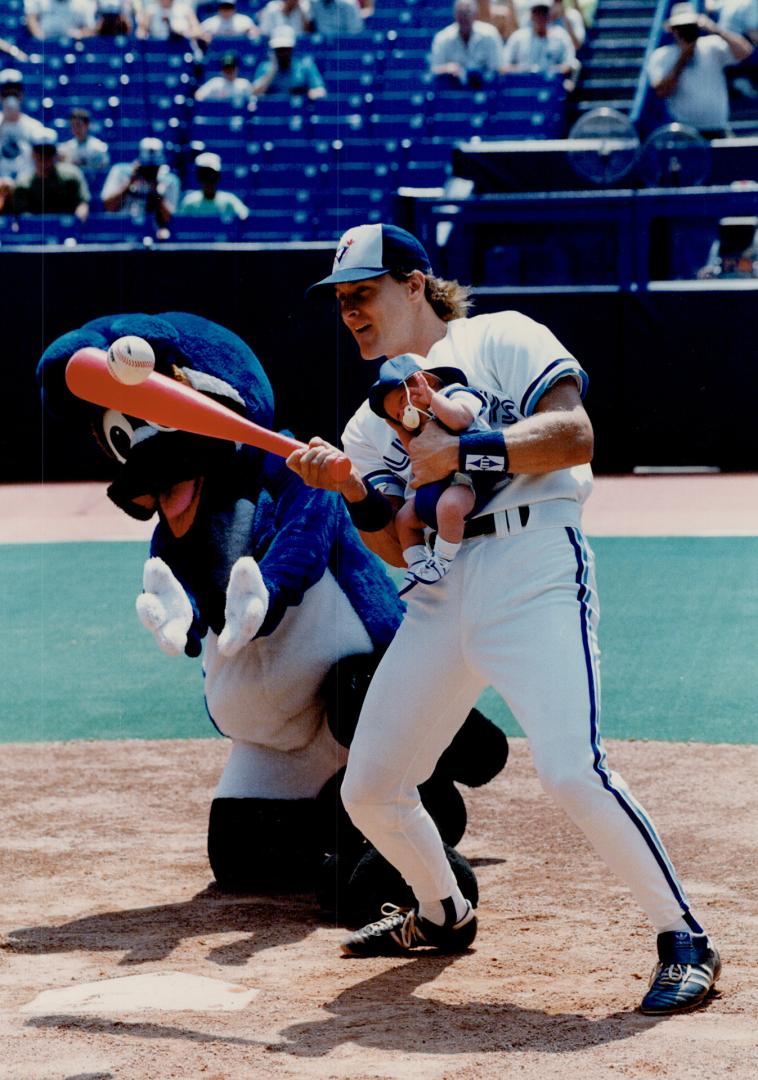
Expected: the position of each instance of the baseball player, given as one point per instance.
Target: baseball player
(407, 398)
(520, 612)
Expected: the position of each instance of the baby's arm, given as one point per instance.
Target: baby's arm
(455, 413)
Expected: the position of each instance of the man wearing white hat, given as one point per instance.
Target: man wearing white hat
(50, 186)
(689, 74)
(145, 187)
(285, 72)
(209, 201)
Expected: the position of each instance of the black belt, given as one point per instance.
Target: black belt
(484, 525)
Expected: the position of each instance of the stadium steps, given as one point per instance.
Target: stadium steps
(613, 55)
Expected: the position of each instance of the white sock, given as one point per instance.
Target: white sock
(414, 554)
(434, 912)
(445, 549)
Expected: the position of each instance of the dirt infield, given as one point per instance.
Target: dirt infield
(105, 875)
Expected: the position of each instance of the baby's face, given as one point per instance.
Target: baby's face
(395, 404)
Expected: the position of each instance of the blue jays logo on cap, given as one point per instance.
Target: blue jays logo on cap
(368, 251)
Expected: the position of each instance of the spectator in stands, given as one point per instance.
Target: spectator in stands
(50, 19)
(467, 51)
(286, 73)
(50, 187)
(145, 187)
(209, 201)
(540, 46)
(689, 74)
(332, 17)
(502, 15)
(740, 17)
(228, 23)
(17, 129)
(164, 19)
(112, 19)
(228, 86)
(83, 149)
(296, 14)
(565, 14)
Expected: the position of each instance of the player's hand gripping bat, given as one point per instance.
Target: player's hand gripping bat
(161, 400)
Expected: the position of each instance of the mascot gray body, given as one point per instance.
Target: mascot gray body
(294, 612)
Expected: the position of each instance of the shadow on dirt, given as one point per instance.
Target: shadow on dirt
(385, 1013)
(149, 934)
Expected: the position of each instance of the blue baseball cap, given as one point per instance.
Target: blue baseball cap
(394, 372)
(368, 251)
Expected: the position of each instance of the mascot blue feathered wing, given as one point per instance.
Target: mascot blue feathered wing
(294, 611)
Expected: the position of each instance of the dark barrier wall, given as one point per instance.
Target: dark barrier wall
(673, 377)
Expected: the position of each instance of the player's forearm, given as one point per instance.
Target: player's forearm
(548, 441)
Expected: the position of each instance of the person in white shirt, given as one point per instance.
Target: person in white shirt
(332, 17)
(49, 19)
(162, 19)
(539, 46)
(17, 129)
(293, 13)
(467, 50)
(84, 149)
(689, 74)
(517, 610)
(228, 23)
(228, 86)
(146, 187)
(569, 18)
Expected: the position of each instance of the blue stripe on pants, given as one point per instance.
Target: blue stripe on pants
(631, 808)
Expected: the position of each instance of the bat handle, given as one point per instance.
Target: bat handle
(341, 468)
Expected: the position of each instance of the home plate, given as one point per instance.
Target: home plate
(171, 991)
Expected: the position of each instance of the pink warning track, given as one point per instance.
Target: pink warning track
(712, 505)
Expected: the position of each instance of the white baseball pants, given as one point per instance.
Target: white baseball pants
(519, 612)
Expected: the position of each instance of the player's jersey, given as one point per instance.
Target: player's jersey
(510, 359)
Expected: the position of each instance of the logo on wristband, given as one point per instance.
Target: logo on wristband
(484, 463)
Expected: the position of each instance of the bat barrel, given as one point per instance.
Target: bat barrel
(164, 401)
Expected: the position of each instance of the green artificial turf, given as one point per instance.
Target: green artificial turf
(679, 634)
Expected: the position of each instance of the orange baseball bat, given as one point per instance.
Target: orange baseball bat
(169, 403)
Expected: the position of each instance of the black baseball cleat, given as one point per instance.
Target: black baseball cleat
(687, 969)
(402, 929)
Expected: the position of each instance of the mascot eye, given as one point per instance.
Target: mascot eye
(118, 434)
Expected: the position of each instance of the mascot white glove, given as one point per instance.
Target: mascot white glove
(164, 608)
(246, 606)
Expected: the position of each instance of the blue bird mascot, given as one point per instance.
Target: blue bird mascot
(294, 614)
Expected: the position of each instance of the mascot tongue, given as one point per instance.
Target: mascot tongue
(177, 500)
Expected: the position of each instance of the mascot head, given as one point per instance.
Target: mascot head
(159, 469)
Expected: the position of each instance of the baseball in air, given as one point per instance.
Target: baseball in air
(130, 360)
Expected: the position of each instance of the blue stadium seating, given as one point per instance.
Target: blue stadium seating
(383, 123)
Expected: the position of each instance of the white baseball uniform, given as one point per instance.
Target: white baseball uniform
(518, 610)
